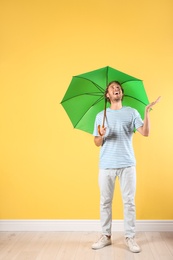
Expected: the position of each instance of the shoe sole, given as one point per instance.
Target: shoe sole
(101, 247)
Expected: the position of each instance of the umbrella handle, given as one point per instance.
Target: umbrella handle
(99, 130)
(104, 117)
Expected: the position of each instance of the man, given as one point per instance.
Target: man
(117, 160)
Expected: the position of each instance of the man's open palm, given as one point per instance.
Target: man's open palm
(153, 103)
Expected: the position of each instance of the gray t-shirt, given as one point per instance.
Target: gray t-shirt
(117, 149)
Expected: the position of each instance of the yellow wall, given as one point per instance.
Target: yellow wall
(48, 170)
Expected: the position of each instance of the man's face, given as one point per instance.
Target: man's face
(114, 92)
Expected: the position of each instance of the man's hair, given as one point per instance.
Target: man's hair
(106, 91)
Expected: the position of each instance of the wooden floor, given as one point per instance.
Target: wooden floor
(77, 246)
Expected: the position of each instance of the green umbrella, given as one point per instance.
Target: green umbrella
(84, 97)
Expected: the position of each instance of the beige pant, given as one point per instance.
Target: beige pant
(127, 178)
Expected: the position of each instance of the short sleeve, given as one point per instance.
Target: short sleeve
(96, 124)
(138, 122)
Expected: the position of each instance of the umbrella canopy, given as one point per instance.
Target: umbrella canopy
(84, 97)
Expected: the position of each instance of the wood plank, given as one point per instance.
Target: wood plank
(69, 246)
(84, 250)
(168, 238)
(13, 245)
(77, 245)
(158, 246)
(52, 246)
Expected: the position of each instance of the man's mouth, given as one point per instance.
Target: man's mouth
(116, 93)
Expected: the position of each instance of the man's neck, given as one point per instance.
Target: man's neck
(116, 105)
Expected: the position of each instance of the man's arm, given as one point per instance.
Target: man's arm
(98, 140)
(145, 129)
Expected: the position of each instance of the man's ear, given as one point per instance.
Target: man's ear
(107, 95)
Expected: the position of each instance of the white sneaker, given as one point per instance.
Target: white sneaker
(133, 246)
(102, 242)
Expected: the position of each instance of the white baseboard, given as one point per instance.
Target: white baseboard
(81, 225)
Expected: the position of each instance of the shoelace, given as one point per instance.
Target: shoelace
(101, 238)
(132, 241)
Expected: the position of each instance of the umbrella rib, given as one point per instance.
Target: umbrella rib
(130, 81)
(89, 94)
(97, 86)
(135, 99)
